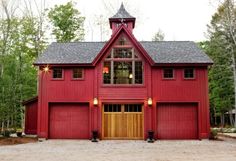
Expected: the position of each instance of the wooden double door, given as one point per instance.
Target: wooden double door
(122, 121)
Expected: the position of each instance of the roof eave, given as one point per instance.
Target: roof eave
(119, 19)
(33, 99)
(184, 64)
(63, 64)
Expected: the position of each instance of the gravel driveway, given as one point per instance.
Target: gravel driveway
(81, 150)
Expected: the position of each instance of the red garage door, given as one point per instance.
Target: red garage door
(69, 121)
(177, 121)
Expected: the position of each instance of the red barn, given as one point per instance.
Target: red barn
(123, 87)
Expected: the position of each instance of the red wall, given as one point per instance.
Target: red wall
(31, 110)
(160, 90)
(176, 90)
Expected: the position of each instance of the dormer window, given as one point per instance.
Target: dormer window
(123, 66)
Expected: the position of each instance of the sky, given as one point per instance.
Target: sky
(179, 20)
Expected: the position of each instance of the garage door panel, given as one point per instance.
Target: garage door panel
(177, 121)
(69, 121)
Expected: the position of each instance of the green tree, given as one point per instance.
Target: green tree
(222, 49)
(221, 85)
(67, 23)
(159, 36)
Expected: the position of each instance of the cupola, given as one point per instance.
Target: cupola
(122, 17)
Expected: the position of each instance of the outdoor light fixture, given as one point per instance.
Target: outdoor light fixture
(46, 69)
(95, 101)
(131, 76)
(149, 101)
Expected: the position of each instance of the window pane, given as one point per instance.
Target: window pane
(189, 73)
(57, 73)
(138, 72)
(122, 53)
(112, 108)
(133, 108)
(107, 73)
(168, 73)
(77, 73)
(123, 73)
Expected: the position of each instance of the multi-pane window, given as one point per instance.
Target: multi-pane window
(189, 73)
(57, 73)
(168, 73)
(122, 53)
(78, 73)
(138, 72)
(107, 72)
(133, 108)
(122, 66)
(112, 108)
(122, 72)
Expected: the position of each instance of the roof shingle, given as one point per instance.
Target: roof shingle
(162, 52)
(122, 13)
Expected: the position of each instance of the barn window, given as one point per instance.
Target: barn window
(57, 73)
(78, 73)
(133, 108)
(189, 73)
(112, 108)
(168, 73)
(122, 66)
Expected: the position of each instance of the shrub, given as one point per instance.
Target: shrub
(213, 134)
(6, 133)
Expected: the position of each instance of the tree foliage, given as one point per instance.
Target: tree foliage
(221, 48)
(67, 23)
(159, 36)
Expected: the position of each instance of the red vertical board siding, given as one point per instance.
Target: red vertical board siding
(69, 121)
(31, 118)
(177, 121)
(154, 86)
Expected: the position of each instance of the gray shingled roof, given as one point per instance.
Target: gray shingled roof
(159, 51)
(175, 52)
(122, 13)
(70, 53)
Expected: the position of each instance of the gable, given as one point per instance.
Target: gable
(131, 41)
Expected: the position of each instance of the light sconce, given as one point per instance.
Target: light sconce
(130, 76)
(46, 69)
(95, 101)
(149, 101)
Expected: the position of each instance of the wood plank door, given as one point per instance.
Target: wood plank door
(122, 121)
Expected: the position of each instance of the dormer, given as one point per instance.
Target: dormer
(122, 17)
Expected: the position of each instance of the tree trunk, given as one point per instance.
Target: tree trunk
(2, 126)
(222, 120)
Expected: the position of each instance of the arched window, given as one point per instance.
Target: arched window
(122, 66)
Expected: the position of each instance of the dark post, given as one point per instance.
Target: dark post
(94, 136)
(150, 136)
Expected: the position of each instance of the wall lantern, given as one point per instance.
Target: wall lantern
(95, 101)
(149, 101)
(46, 69)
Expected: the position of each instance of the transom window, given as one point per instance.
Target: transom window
(57, 73)
(133, 108)
(112, 108)
(78, 73)
(122, 66)
(168, 73)
(189, 73)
